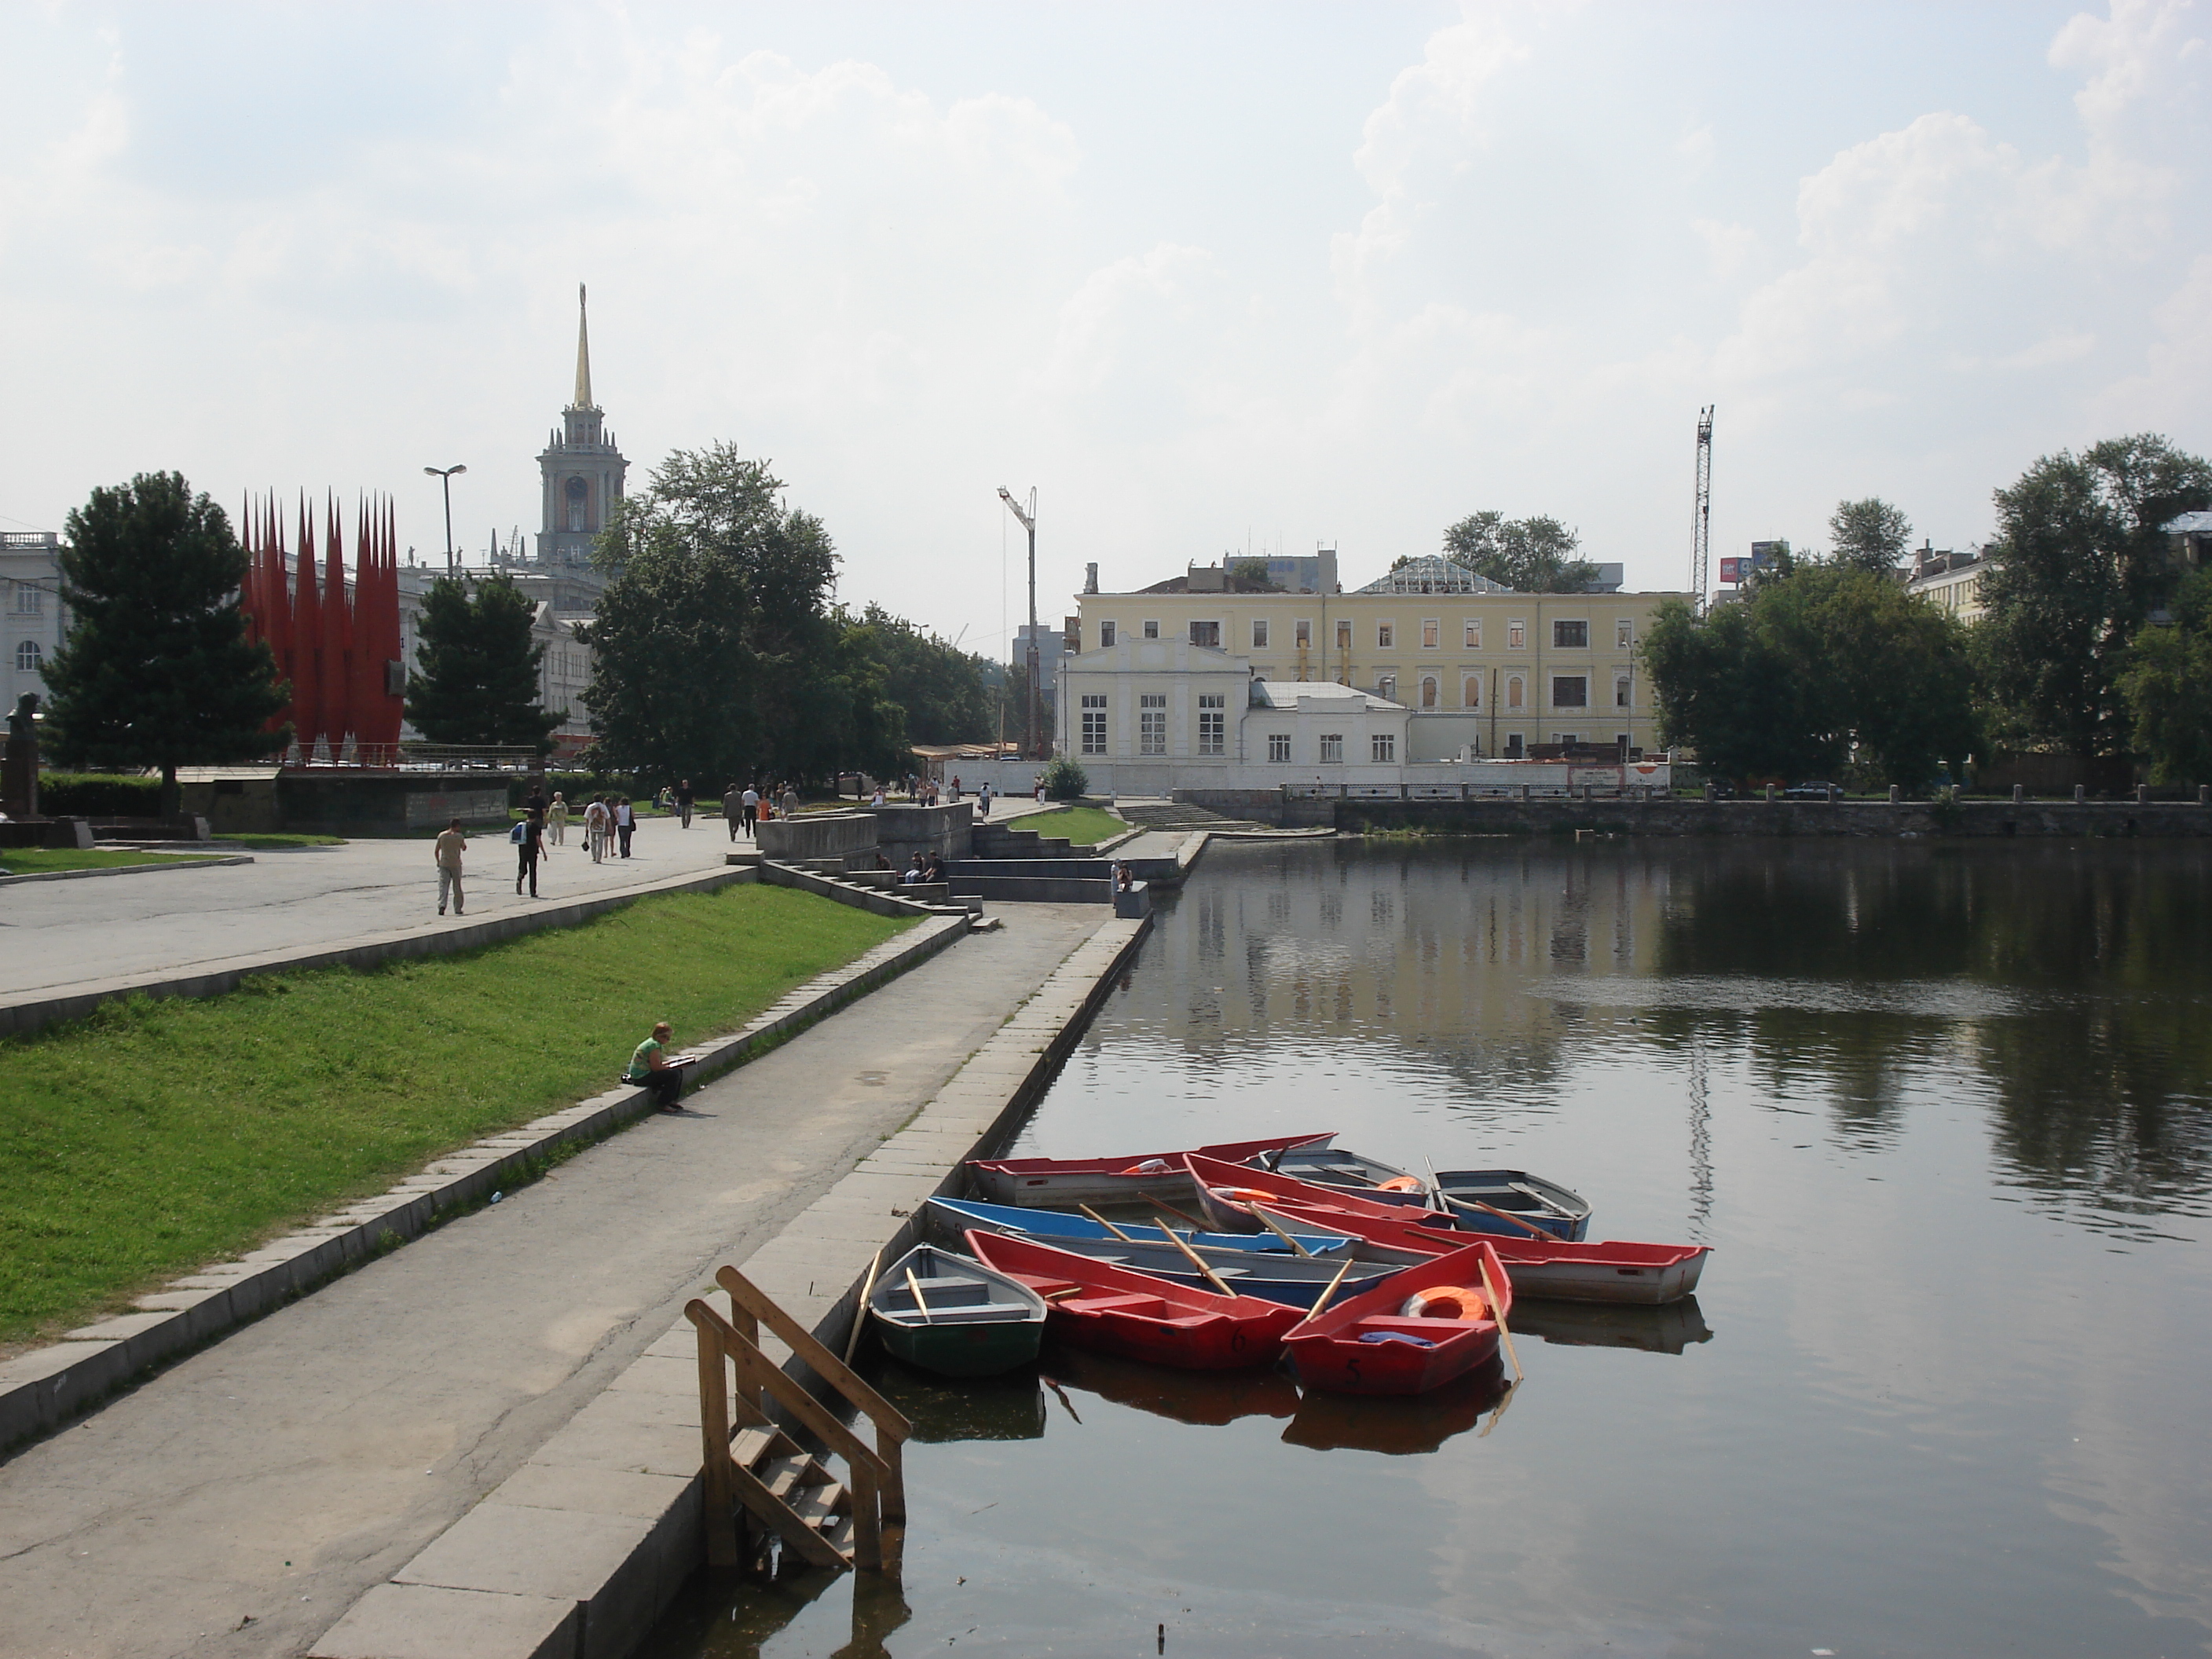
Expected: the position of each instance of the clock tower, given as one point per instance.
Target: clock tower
(582, 468)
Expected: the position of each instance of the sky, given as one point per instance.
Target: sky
(1208, 277)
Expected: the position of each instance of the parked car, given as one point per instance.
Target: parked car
(1809, 792)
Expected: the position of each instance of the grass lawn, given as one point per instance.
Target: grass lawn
(252, 840)
(38, 860)
(154, 1137)
(1085, 826)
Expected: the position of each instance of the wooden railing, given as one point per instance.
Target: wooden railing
(751, 1460)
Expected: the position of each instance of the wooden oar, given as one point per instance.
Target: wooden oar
(1507, 1215)
(1268, 1222)
(1498, 1313)
(1105, 1223)
(1327, 1296)
(1181, 1215)
(1197, 1260)
(919, 1306)
(860, 1319)
(1550, 1205)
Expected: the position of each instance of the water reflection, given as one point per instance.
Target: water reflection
(1397, 1427)
(1208, 1398)
(1006, 1407)
(1668, 1329)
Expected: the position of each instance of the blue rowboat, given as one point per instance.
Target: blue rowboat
(1291, 1281)
(1474, 1197)
(1054, 1226)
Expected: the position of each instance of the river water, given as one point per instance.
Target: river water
(1945, 1116)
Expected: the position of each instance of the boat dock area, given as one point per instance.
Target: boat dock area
(487, 1443)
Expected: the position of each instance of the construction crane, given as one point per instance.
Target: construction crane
(1028, 517)
(1701, 528)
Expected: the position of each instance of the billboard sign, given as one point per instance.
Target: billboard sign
(1733, 570)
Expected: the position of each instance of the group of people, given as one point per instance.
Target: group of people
(608, 820)
(746, 806)
(921, 867)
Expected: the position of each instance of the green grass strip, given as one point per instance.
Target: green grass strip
(42, 860)
(1085, 826)
(154, 1137)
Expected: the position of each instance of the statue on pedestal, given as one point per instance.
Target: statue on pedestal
(19, 789)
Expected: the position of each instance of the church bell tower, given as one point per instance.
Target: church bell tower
(583, 470)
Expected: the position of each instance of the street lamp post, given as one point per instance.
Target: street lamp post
(1033, 745)
(445, 477)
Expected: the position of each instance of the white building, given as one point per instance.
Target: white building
(31, 619)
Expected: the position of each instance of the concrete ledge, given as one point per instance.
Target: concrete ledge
(609, 1510)
(45, 1389)
(421, 1621)
(213, 979)
(183, 861)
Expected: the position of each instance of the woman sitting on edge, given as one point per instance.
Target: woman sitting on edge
(652, 1067)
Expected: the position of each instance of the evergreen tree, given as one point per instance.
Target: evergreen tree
(475, 682)
(157, 670)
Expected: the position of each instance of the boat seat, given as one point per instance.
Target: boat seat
(991, 1312)
(1122, 1303)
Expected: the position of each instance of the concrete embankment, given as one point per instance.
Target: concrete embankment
(1684, 816)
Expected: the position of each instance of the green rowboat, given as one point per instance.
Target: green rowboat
(972, 1321)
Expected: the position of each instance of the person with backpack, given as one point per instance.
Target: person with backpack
(529, 838)
(595, 827)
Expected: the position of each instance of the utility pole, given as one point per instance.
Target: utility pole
(445, 477)
(1029, 523)
(1701, 529)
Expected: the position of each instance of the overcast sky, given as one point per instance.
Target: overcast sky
(1207, 276)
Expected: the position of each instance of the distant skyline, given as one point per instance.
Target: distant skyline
(1208, 277)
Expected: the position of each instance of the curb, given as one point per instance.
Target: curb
(188, 861)
(603, 1565)
(29, 1014)
(49, 1388)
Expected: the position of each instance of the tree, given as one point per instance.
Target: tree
(2079, 564)
(2166, 679)
(1870, 535)
(1819, 668)
(158, 670)
(476, 679)
(1530, 556)
(945, 692)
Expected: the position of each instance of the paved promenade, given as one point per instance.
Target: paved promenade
(236, 1503)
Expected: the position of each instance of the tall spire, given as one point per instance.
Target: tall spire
(583, 355)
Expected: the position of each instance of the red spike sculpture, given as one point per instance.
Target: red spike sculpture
(333, 638)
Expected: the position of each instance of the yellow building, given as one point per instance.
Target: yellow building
(1474, 670)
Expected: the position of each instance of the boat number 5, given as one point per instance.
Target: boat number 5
(1351, 1368)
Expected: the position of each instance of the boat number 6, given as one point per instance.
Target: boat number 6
(1237, 1342)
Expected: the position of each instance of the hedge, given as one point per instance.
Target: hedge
(98, 795)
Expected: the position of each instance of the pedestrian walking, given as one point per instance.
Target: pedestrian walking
(451, 843)
(733, 809)
(752, 810)
(956, 786)
(529, 837)
(625, 823)
(556, 821)
(683, 799)
(595, 827)
(789, 803)
(983, 798)
(1040, 789)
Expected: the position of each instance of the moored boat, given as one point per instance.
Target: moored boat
(1052, 1226)
(970, 1319)
(1414, 1331)
(1294, 1281)
(1342, 1169)
(1613, 1270)
(1474, 1197)
(1063, 1183)
(1226, 1191)
(1097, 1305)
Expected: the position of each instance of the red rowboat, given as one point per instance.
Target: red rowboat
(1616, 1270)
(1417, 1330)
(1095, 1304)
(1061, 1184)
(1221, 1184)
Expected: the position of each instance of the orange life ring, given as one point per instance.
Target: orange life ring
(1399, 1184)
(1459, 1301)
(1242, 1196)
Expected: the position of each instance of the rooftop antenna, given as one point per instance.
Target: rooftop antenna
(1701, 530)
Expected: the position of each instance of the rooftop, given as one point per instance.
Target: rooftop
(1433, 574)
(1285, 693)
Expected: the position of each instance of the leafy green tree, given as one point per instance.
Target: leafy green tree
(158, 670)
(1530, 556)
(2080, 562)
(476, 678)
(1870, 535)
(2166, 679)
(1066, 780)
(945, 692)
(1819, 668)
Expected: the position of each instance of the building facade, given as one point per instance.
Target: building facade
(1951, 581)
(32, 618)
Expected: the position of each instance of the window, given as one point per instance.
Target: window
(1569, 691)
(1094, 721)
(1516, 636)
(1383, 745)
(1471, 628)
(1570, 636)
(1428, 629)
(1623, 634)
(1470, 691)
(1621, 690)
(1259, 633)
(1567, 739)
(1513, 691)
(1151, 723)
(1332, 747)
(1428, 691)
(1212, 724)
(1344, 633)
(1208, 633)
(1105, 636)
(1151, 631)
(1386, 687)
(577, 490)
(30, 600)
(1279, 746)
(29, 658)
(1384, 633)
(1301, 632)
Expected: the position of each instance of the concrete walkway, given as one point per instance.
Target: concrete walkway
(239, 1501)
